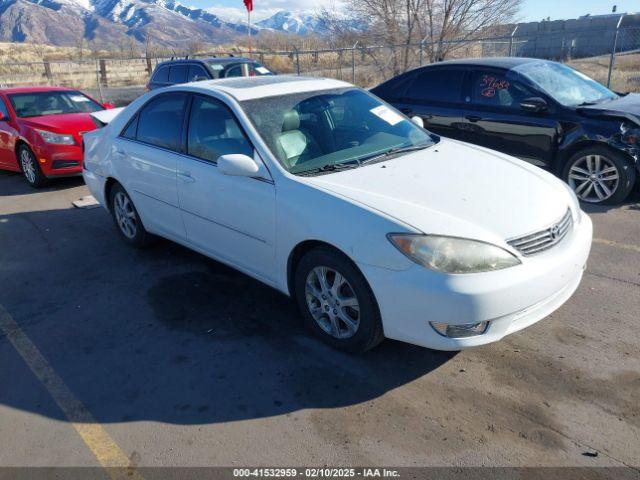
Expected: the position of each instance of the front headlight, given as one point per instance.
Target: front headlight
(630, 134)
(56, 138)
(452, 254)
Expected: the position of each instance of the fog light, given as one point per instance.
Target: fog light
(463, 330)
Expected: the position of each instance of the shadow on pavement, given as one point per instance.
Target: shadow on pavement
(13, 184)
(168, 335)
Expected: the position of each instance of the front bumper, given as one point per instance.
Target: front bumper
(59, 160)
(510, 299)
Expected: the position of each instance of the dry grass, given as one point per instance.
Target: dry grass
(24, 64)
(625, 76)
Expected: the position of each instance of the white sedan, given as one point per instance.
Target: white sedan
(317, 188)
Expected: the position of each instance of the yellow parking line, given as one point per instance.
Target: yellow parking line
(611, 243)
(106, 451)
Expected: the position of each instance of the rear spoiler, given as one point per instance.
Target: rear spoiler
(102, 118)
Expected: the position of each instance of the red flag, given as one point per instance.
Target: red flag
(249, 5)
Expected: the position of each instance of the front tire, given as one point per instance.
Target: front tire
(31, 170)
(600, 175)
(126, 218)
(336, 301)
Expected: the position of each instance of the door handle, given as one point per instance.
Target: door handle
(186, 177)
(473, 118)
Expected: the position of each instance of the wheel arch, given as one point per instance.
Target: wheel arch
(300, 250)
(108, 186)
(566, 154)
(19, 143)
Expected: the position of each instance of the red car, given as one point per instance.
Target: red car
(41, 131)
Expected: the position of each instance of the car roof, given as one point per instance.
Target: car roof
(219, 60)
(494, 62)
(36, 89)
(248, 88)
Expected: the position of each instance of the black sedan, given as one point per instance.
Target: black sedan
(541, 111)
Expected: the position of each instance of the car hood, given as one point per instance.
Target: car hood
(455, 189)
(627, 107)
(64, 123)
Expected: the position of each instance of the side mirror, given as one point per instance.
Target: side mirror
(237, 165)
(418, 121)
(534, 104)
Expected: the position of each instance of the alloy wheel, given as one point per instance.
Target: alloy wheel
(125, 215)
(594, 178)
(28, 165)
(332, 302)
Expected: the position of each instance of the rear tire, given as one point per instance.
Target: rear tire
(30, 168)
(126, 218)
(600, 175)
(336, 301)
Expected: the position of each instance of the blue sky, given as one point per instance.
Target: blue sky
(532, 9)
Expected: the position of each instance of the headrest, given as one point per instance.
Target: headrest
(291, 121)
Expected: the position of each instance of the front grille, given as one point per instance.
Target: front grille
(542, 240)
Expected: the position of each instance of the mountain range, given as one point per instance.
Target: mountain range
(109, 23)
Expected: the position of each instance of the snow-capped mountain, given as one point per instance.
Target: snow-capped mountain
(107, 22)
(290, 22)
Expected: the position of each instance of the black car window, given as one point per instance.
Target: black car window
(160, 121)
(197, 72)
(498, 89)
(214, 131)
(233, 71)
(161, 75)
(4, 113)
(437, 85)
(178, 74)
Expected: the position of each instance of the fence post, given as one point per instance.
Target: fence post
(103, 72)
(99, 82)
(353, 63)
(612, 59)
(511, 41)
(295, 49)
(47, 71)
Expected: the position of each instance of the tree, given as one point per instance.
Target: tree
(463, 20)
(406, 22)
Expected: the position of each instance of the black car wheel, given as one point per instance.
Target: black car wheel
(600, 175)
(30, 168)
(336, 301)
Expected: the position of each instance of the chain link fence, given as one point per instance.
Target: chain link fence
(611, 57)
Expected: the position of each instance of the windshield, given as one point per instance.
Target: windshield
(36, 104)
(316, 130)
(564, 84)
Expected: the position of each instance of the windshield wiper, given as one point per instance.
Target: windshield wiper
(331, 167)
(381, 156)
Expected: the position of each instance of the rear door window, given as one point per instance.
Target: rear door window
(178, 74)
(160, 121)
(437, 85)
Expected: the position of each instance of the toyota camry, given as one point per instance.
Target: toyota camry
(375, 226)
